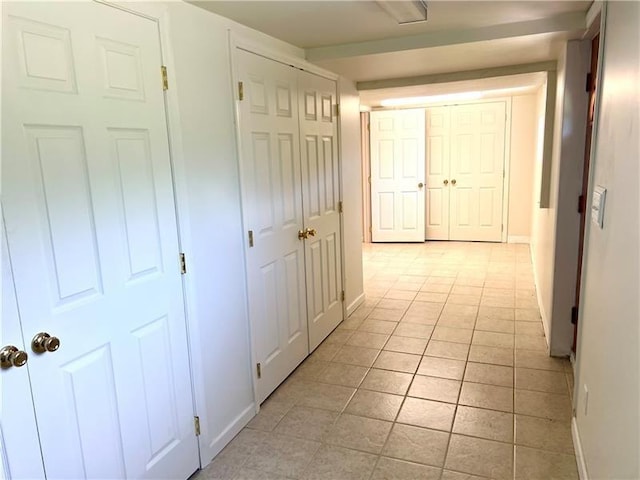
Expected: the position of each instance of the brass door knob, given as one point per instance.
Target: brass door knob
(446, 182)
(311, 232)
(453, 182)
(420, 185)
(43, 342)
(302, 234)
(10, 356)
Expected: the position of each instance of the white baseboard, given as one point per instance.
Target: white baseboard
(355, 304)
(227, 435)
(577, 446)
(518, 239)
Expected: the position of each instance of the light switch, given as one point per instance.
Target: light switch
(597, 205)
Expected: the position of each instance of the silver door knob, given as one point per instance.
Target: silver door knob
(420, 185)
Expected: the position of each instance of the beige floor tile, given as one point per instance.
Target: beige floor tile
(396, 361)
(498, 302)
(406, 345)
(417, 444)
(532, 463)
(377, 326)
(250, 474)
(435, 288)
(326, 352)
(527, 302)
(497, 313)
(413, 330)
(527, 314)
(498, 292)
(387, 381)
(352, 323)
(541, 380)
(322, 395)
(480, 457)
(529, 328)
(456, 351)
(392, 469)
(419, 319)
(340, 463)
(442, 367)
(489, 424)
(528, 342)
(393, 304)
(456, 321)
(427, 310)
(451, 475)
(356, 355)
(495, 325)
(489, 374)
(359, 433)
(493, 355)
(427, 413)
(436, 279)
(282, 455)
(341, 374)
(493, 339)
(457, 299)
(409, 286)
(487, 396)
(271, 412)
(367, 403)
(545, 434)
(368, 339)
(385, 315)
(431, 297)
(466, 290)
(241, 447)
(465, 311)
(449, 334)
(307, 423)
(310, 369)
(338, 337)
(544, 405)
(400, 295)
(433, 388)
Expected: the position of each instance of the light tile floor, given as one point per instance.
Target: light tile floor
(442, 373)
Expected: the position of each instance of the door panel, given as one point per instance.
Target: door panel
(477, 166)
(320, 196)
(270, 153)
(397, 170)
(91, 226)
(438, 186)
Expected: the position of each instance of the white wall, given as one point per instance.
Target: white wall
(609, 329)
(351, 192)
(521, 167)
(555, 230)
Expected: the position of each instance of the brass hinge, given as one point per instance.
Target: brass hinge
(259, 370)
(183, 264)
(342, 296)
(240, 91)
(369, 229)
(196, 424)
(502, 228)
(165, 80)
(369, 178)
(340, 207)
(250, 238)
(369, 127)
(336, 110)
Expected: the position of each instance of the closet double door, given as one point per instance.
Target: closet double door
(465, 171)
(290, 185)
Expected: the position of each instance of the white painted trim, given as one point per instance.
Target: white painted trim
(577, 446)
(506, 179)
(355, 304)
(592, 16)
(253, 47)
(343, 273)
(232, 430)
(543, 314)
(518, 239)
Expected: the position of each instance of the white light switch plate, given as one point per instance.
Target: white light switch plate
(597, 205)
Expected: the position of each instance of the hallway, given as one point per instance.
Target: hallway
(442, 373)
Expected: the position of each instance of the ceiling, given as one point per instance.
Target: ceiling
(360, 41)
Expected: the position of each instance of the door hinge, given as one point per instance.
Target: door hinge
(581, 203)
(369, 178)
(574, 315)
(183, 264)
(340, 207)
(250, 238)
(240, 91)
(336, 110)
(588, 82)
(502, 228)
(369, 229)
(165, 80)
(368, 127)
(259, 370)
(342, 296)
(196, 424)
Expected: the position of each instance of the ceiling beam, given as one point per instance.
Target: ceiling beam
(568, 22)
(458, 76)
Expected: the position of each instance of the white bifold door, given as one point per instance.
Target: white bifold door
(92, 239)
(397, 175)
(290, 185)
(465, 172)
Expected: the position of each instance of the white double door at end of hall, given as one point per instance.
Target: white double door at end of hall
(465, 172)
(92, 246)
(290, 185)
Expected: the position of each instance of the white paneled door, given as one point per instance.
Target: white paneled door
(270, 152)
(91, 229)
(320, 200)
(398, 175)
(438, 166)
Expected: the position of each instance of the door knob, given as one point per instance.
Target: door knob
(311, 232)
(10, 356)
(446, 182)
(420, 185)
(43, 342)
(302, 234)
(453, 182)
